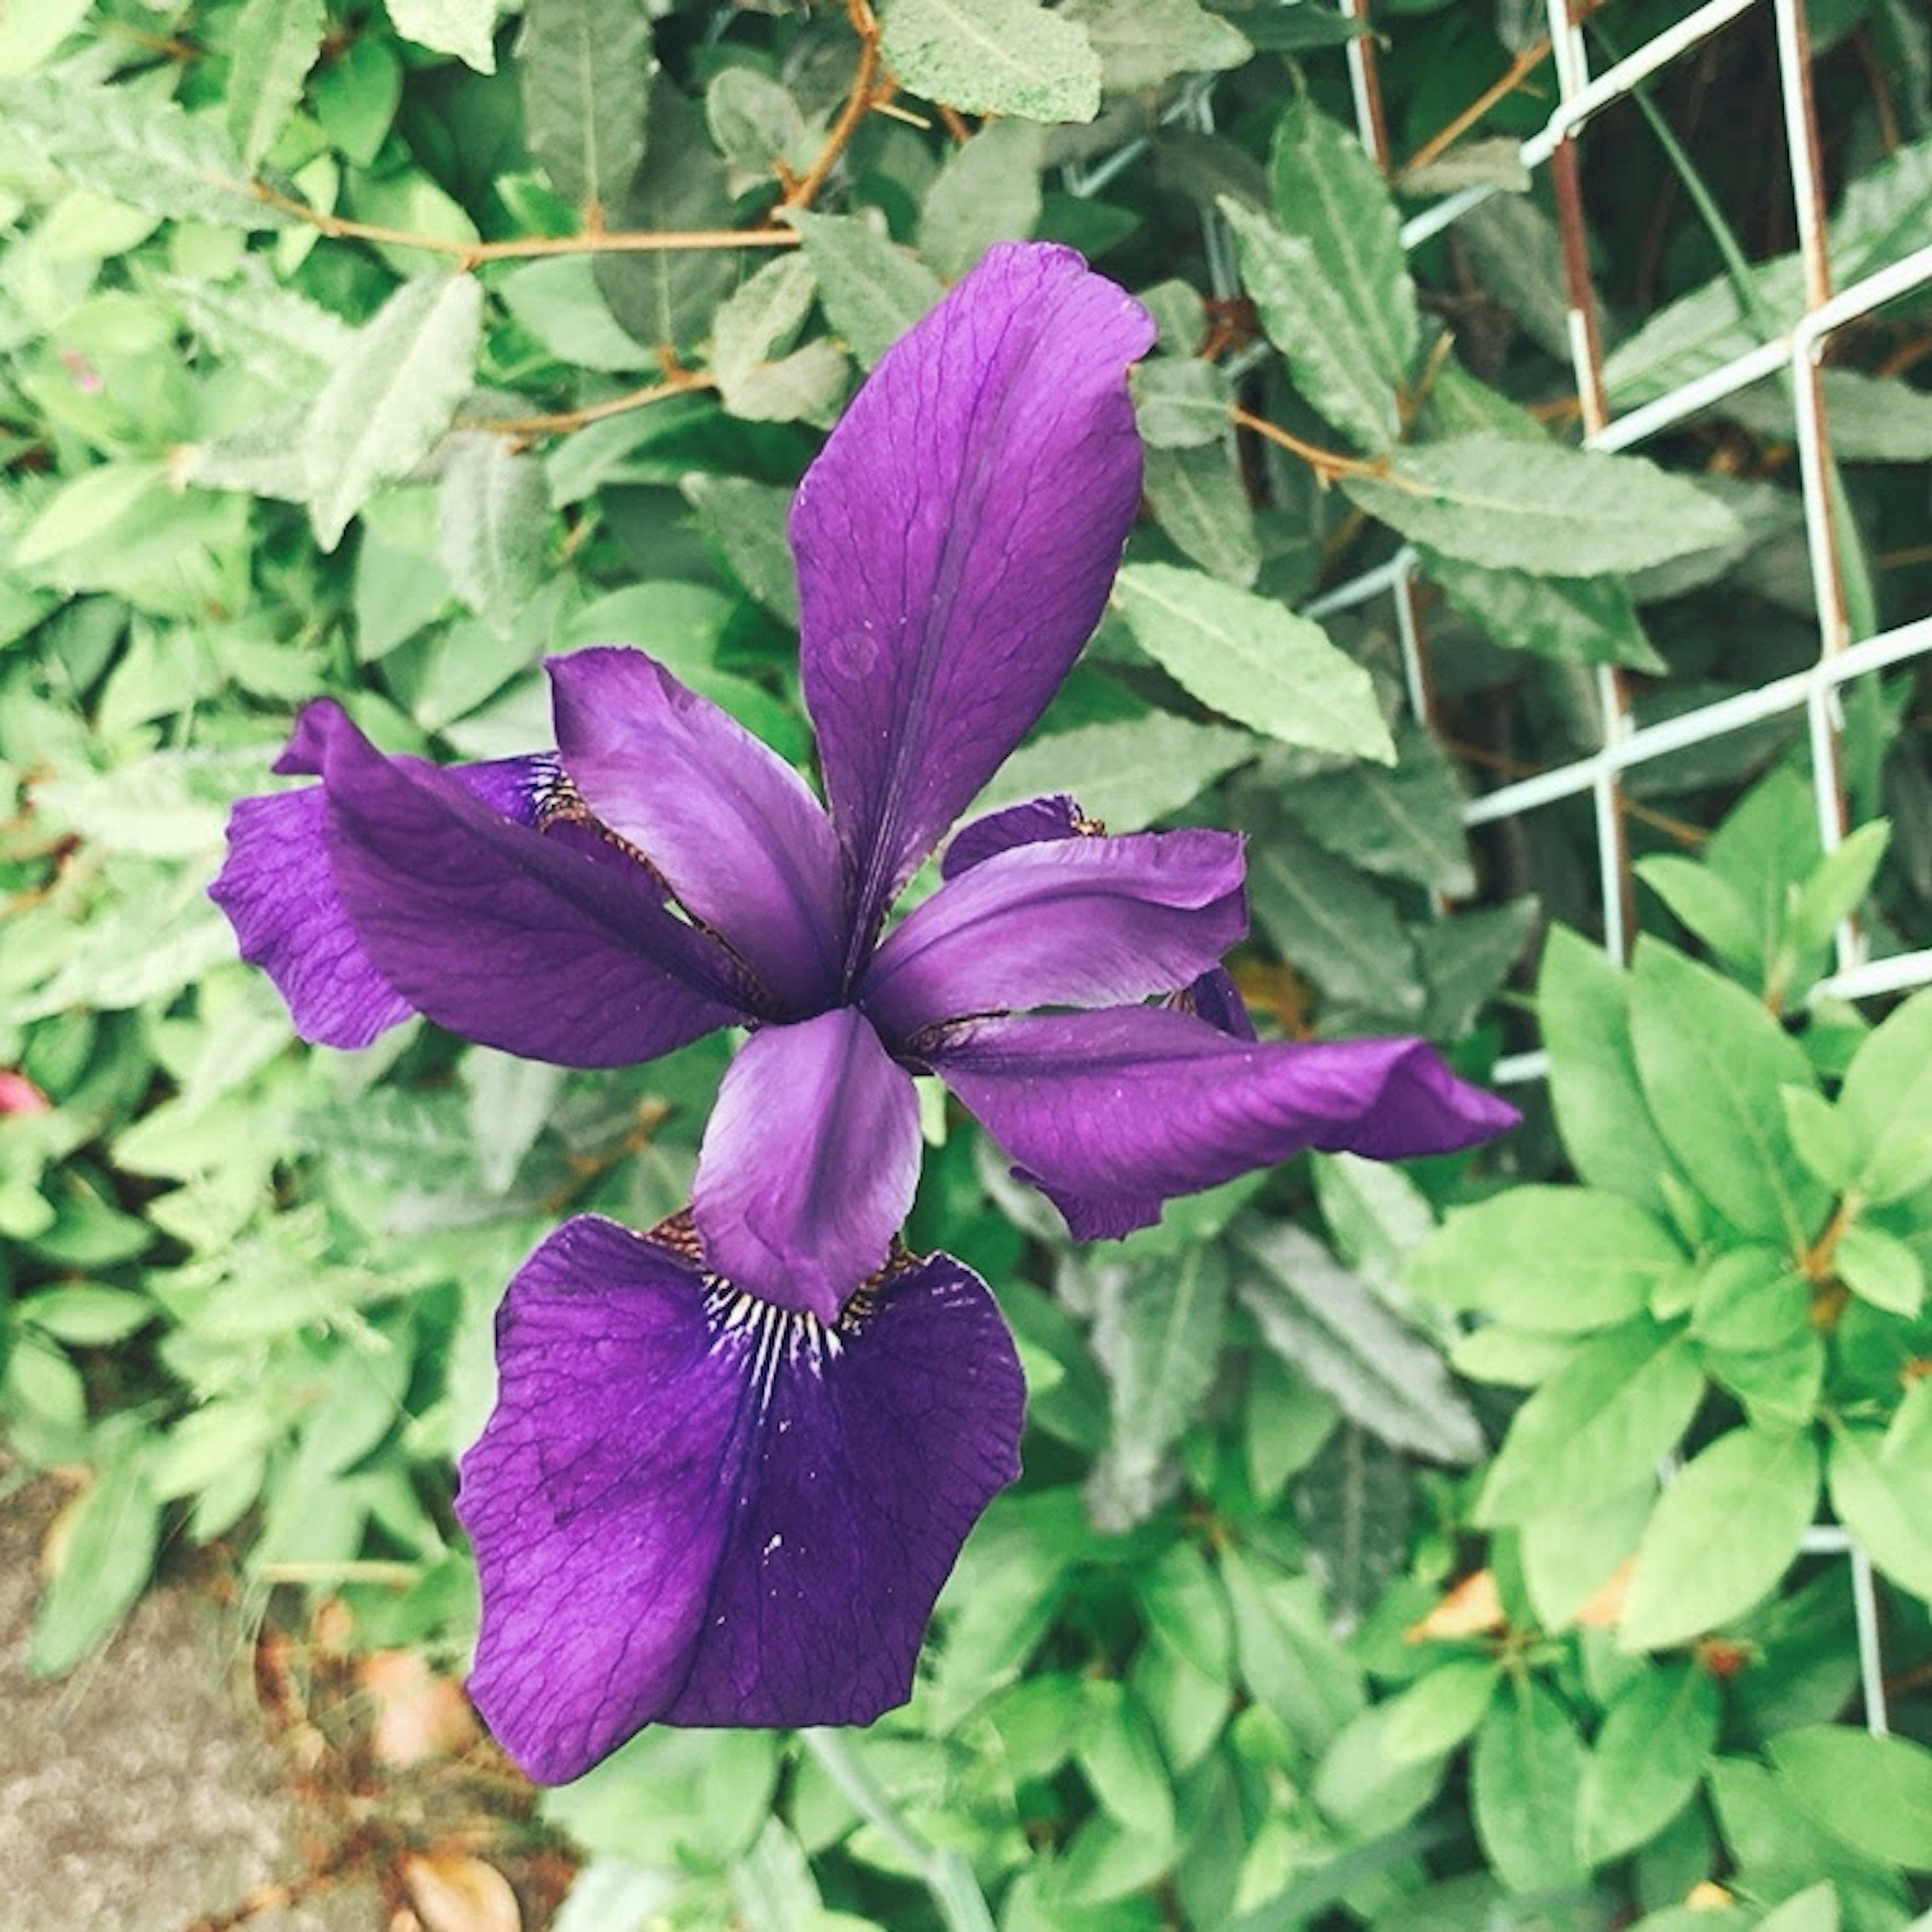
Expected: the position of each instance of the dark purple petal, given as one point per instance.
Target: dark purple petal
(956, 539)
(279, 896)
(1111, 1113)
(809, 1163)
(735, 831)
(690, 1506)
(1056, 816)
(501, 932)
(1215, 998)
(1074, 922)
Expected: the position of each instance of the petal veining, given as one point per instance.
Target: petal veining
(1071, 922)
(956, 539)
(735, 831)
(809, 1162)
(691, 1506)
(501, 933)
(1110, 1114)
(278, 893)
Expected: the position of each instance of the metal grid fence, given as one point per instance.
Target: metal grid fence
(1797, 353)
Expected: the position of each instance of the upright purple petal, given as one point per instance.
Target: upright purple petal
(279, 896)
(692, 1506)
(1056, 816)
(735, 831)
(1110, 1114)
(1074, 922)
(809, 1163)
(499, 932)
(956, 539)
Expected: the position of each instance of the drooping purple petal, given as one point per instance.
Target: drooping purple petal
(1111, 1113)
(1074, 921)
(691, 1506)
(809, 1163)
(955, 540)
(278, 893)
(1056, 816)
(735, 831)
(499, 932)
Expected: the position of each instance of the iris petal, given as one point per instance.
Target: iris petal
(692, 1507)
(503, 934)
(1031, 822)
(280, 895)
(1110, 1114)
(1072, 922)
(735, 831)
(955, 540)
(809, 1163)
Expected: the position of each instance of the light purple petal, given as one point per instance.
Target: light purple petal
(279, 896)
(1056, 816)
(1111, 1113)
(1074, 922)
(955, 540)
(809, 1163)
(735, 831)
(503, 933)
(692, 1507)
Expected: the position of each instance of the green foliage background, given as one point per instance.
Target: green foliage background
(1345, 1585)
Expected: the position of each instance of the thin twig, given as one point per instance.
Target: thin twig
(1519, 70)
(1328, 464)
(560, 422)
(861, 98)
(594, 241)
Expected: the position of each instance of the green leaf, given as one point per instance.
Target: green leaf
(1355, 1502)
(276, 43)
(1125, 773)
(988, 191)
(755, 122)
(1569, 1554)
(1403, 823)
(1182, 403)
(1157, 1334)
(1142, 44)
(1496, 500)
(493, 518)
(271, 331)
(754, 327)
(1882, 1490)
(143, 151)
(391, 397)
(1713, 1063)
(993, 57)
(1750, 1298)
(1198, 498)
(1564, 1259)
(1526, 1773)
(1253, 660)
(1724, 1532)
(1326, 1325)
(1121, 1761)
(746, 520)
(1309, 320)
(1881, 1269)
(1649, 1759)
(1582, 1006)
(1708, 906)
(1872, 419)
(1874, 1793)
(1466, 959)
(1327, 191)
(1439, 1709)
(1290, 1658)
(464, 27)
(1886, 1103)
(1822, 1136)
(585, 66)
(1837, 885)
(85, 1314)
(871, 291)
(108, 1554)
(1598, 1427)
(1574, 620)
(1331, 922)
(1813, 1909)
(29, 34)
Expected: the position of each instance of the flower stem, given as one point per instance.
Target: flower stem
(946, 1874)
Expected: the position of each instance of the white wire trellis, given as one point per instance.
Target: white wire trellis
(1798, 352)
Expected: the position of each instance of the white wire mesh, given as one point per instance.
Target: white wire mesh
(1815, 691)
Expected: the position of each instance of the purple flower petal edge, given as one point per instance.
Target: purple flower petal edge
(690, 1506)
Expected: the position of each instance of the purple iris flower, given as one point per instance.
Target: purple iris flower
(732, 1461)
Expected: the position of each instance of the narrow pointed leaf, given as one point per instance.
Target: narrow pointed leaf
(584, 64)
(276, 43)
